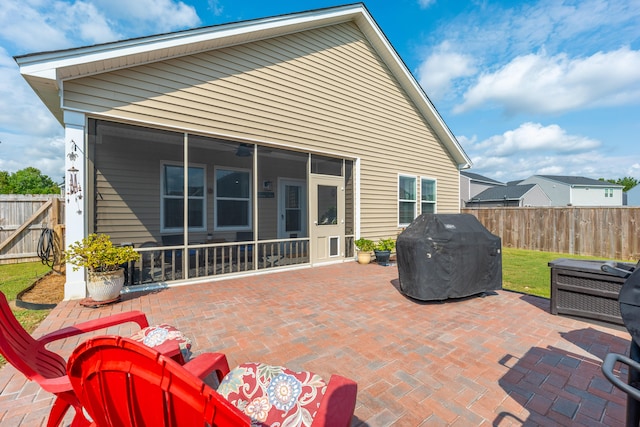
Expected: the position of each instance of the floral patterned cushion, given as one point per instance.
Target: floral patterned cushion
(156, 335)
(273, 395)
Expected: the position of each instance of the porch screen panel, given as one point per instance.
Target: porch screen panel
(282, 193)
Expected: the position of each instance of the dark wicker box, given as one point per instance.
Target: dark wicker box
(580, 288)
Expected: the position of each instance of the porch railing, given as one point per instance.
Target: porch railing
(165, 263)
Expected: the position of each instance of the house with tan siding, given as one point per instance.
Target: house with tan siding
(245, 147)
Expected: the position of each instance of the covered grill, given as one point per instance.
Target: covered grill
(629, 300)
(443, 256)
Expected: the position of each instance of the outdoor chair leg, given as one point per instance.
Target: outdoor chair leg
(60, 409)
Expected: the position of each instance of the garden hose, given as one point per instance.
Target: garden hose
(47, 249)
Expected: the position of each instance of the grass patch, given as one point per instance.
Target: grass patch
(17, 277)
(528, 271)
(13, 279)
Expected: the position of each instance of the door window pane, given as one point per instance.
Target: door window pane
(327, 205)
(292, 221)
(293, 212)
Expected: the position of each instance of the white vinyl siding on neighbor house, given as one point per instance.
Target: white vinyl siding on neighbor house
(596, 196)
(536, 197)
(324, 90)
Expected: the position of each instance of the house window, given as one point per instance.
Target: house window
(608, 192)
(233, 199)
(406, 199)
(173, 198)
(427, 196)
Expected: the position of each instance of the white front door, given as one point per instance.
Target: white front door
(326, 205)
(292, 208)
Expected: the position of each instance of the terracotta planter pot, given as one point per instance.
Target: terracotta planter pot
(364, 257)
(105, 286)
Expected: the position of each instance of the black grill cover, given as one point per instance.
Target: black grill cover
(629, 299)
(444, 256)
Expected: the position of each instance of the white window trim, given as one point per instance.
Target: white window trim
(435, 189)
(399, 200)
(249, 227)
(164, 229)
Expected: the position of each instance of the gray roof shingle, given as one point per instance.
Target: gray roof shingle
(511, 192)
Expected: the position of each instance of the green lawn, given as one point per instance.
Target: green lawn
(529, 272)
(16, 277)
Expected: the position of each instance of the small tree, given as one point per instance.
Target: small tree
(628, 182)
(27, 181)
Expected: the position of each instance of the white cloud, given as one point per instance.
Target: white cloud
(437, 73)
(425, 3)
(28, 28)
(150, 16)
(536, 149)
(535, 137)
(215, 7)
(18, 151)
(39, 26)
(22, 111)
(538, 83)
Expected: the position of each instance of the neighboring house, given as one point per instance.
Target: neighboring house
(472, 184)
(633, 196)
(511, 195)
(577, 190)
(274, 142)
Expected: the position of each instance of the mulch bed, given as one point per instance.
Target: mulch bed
(49, 289)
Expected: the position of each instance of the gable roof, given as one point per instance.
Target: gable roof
(511, 192)
(480, 178)
(579, 181)
(47, 71)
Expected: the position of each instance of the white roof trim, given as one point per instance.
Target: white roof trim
(46, 71)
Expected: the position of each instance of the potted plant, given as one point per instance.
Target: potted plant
(103, 261)
(383, 249)
(364, 246)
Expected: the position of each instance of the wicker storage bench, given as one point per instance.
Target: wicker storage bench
(580, 288)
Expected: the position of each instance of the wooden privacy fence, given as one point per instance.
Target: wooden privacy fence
(22, 220)
(607, 232)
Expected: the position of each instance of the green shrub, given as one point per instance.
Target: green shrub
(97, 254)
(364, 245)
(385, 245)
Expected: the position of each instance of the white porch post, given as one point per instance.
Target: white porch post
(75, 209)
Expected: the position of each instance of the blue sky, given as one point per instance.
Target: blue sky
(539, 87)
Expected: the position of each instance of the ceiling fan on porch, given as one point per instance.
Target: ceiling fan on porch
(244, 150)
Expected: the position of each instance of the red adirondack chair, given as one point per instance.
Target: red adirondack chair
(48, 369)
(121, 383)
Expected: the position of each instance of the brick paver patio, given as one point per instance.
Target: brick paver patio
(499, 360)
